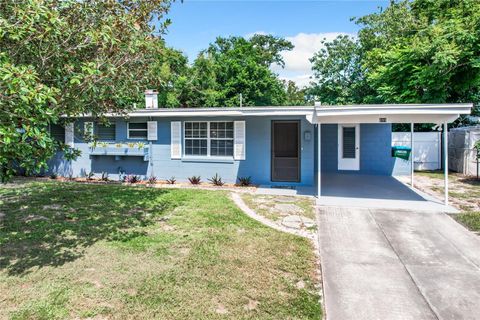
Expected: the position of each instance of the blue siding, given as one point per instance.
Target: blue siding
(256, 164)
(375, 154)
(375, 149)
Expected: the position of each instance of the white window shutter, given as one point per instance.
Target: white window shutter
(152, 130)
(239, 140)
(176, 140)
(69, 134)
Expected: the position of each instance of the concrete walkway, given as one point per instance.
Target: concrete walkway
(391, 264)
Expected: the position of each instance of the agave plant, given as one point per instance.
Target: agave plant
(244, 181)
(216, 180)
(195, 179)
(90, 175)
(132, 178)
(152, 180)
(104, 176)
(172, 180)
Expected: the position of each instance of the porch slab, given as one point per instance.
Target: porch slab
(370, 191)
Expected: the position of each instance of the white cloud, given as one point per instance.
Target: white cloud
(301, 80)
(297, 61)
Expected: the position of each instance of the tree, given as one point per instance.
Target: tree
(235, 65)
(424, 51)
(338, 72)
(295, 95)
(68, 57)
(420, 51)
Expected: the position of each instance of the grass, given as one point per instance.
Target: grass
(266, 205)
(465, 190)
(470, 219)
(71, 250)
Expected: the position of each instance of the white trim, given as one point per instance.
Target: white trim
(319, 160)
(240, 140)
(350, 163)
(412, 157)
(175, 139)
(152, 130)
(137, 138)
(445, 160)
(325, 114)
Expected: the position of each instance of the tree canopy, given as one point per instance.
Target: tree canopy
(236, 65)
(68, 57)
(420, 51)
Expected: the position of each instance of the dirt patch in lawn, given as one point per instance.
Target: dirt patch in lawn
(464, 194)
(287, 211)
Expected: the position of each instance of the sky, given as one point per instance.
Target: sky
(196, 23)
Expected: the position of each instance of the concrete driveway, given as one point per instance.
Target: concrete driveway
(391, 264)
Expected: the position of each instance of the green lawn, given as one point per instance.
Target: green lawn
(72, 250)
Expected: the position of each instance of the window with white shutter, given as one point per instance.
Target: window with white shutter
(176, 140)
(239, 140)
(152, 130)
(88, 130)
(69, 134)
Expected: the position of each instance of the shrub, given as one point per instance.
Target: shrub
(140, 145)
(244, 181)
(194, 179)
(104, 176)
(132, 178)
(53, 176)
(152, 180)
(172, 180)
(90, 175)
(131, 144)
(216, 180)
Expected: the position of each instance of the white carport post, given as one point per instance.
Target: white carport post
(412, 160)
(445, 159)
(319, 160)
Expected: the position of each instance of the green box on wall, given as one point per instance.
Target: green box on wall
(401, 152)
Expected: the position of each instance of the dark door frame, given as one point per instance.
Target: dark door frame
(272, 144)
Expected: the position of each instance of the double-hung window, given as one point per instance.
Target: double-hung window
(137, 130)
(213, 139)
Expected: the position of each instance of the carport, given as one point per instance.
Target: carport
(347, 184)
(374, 191)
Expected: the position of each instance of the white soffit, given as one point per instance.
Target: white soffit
(395, 113)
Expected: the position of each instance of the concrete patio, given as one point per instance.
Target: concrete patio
(371, 191)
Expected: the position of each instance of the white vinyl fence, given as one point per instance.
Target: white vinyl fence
(427, 151)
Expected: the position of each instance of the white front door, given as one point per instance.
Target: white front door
(348, 147)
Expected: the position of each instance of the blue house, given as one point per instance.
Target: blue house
(295, 147)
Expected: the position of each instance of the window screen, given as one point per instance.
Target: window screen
(137, 130)
(221, 138)
(208, 138)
